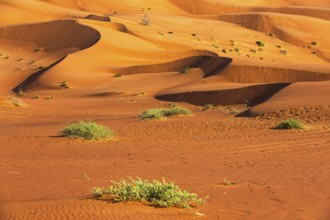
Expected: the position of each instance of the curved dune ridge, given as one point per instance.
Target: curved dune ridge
(53, 35)
(56, 39)
(255, 94)
(205, 7)
(98, 18)
(209, 64)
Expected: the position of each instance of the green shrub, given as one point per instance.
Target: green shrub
(314, 43)
(159, 194)
(157, 113)
(117, 75)
(88, 130)
(260, 43)
(291, 124)
(64, 85)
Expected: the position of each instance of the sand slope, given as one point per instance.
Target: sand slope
(199, 52)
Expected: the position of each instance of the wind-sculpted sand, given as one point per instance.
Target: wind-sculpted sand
(241, 67)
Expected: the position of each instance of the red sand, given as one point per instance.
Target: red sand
(278, 174)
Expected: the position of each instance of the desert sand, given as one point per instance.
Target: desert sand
(278, 174)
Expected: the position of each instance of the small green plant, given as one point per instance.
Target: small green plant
(36, 97)
(237, 50)
(159, 194)
(157, 113)
(88, 130)
(260, 43)
(314, 43)
(49, 97)
(64, 85)
(291, 124)
(117, 75)
(186, 70)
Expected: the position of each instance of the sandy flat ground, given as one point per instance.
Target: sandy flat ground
(278, 174)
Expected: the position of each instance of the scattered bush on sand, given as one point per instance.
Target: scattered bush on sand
(64, 85)
(117, 75)
(157, 113)
(88, 130)
(291, 124)
(260, 43)
(159, 194)
(314, 43)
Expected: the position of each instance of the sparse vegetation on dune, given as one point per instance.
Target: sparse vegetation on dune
(88, 130)
(159, 194)
(291, 124)
(158, 113)
(260, 43)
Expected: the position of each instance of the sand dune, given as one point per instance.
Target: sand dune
(264, 60)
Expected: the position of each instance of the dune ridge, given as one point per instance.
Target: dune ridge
(254, 94)
(209, 64)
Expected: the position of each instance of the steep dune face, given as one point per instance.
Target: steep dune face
(54, 35)
(207, 7)
(170, 42)
(35, 48)
(296, 30)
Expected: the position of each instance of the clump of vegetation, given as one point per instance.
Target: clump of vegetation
(224, 51)
(117, 75)
(237, 50)
(232, 42)
(260, 43)
(170, 32)
(158, 113)
(186, 70)
(49, 97)
(64, 85)
(314, 43)
(36, 97)
(88, 130)
(159, 194)
(291, 124)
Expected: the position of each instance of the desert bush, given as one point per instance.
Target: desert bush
(117, 75)
(159, 194)
(157, 113)
(64, 85)
(88, 130)
(314, 43)
(260, 43)
(291, 124)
